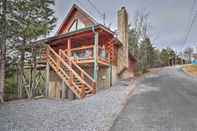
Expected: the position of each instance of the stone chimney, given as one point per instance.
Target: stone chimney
(123, 37)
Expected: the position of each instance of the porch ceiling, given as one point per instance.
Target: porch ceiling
(80, 35)
(83, 38)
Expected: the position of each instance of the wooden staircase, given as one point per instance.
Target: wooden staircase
(81, 83)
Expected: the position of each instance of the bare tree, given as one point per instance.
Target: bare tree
(139, 41)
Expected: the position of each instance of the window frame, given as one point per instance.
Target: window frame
(76, 22)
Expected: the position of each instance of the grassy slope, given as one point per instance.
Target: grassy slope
(191, 69)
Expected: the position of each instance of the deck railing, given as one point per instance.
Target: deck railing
(73, 75)
(86, 53)
(85, 77)
(103, 55)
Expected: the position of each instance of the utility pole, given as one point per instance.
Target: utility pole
(175, 59)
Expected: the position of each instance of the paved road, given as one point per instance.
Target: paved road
(166, 101)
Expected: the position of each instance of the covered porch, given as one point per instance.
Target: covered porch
(91, 50)
(90, 47)
(86, 47)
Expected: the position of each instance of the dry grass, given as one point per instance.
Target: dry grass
(190, 69)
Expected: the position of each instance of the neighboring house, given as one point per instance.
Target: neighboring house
(194, 59)
(85, 56)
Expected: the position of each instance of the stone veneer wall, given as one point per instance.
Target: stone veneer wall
(123, 37)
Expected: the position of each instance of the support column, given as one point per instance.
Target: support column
(69, 47)
(64, 88)
(47, 79)
(110, 75)
(96, 41)
(70, 93)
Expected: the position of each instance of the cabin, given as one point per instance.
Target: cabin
(85, 56)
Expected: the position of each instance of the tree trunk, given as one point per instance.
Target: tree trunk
(2, 76)
(20, 77)
(3, 50)
(22, 82)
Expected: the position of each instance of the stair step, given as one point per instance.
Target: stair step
(77, 82)
(65, 73)
(76, 79)
(88, 92)
(86, 89)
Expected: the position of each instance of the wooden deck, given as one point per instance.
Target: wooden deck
(84, 55)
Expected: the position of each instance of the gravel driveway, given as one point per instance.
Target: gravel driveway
(95, 113)
(166, 101)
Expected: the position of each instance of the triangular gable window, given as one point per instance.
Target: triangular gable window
(77, 24)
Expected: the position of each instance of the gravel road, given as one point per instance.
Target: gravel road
(166, 101)
(95, 113)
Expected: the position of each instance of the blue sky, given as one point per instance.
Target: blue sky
(169, 18)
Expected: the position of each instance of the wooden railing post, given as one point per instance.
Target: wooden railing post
(108, 56)
(94, 88)
(69, 55)
(58, 60)
(47, 71)
(69, 48)
(70, 62)
(47, 54)
(83, 86)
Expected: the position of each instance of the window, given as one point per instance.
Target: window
(77, 24)
(80, 25)
(73, 27)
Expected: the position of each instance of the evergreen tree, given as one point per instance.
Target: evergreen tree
(23, 21)
(164, 57)
(36, 19)
(3, 36)
(168, 56)
(133, 42)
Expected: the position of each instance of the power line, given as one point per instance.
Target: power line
(94, 6)
(192, 23)
(190, 28)
(90, 14)
(103, 15)
(79, 2)
(83, 5)
(193, 5)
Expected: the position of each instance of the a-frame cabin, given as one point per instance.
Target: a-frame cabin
(85, 56)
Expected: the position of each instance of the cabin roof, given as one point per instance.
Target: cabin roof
(82, 11)
(70, 34)
(95, 25)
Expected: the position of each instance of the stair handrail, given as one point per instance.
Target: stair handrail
(81, 70)
(65, 64)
